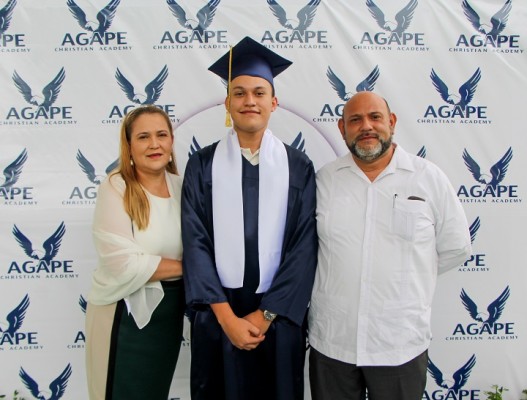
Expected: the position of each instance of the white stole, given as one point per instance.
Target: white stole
(227, 208)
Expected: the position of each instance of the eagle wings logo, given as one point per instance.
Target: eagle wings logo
(6, 14)
(50, 92)
(498, 20)
(402, 19)
(89, 169)
(459, 378)
(83, 303)
(57, 387)
(366, 85)
(304, 17)
(474, 228)
(203, 18)
(16, 317)
(497, 172)
(466, 91)
(152, 90)
(104, 17)
(50, 246)
(12, 171)
(495, 309)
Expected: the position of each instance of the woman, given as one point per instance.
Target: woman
(134, 318)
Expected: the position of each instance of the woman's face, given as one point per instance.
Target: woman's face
(150, 144)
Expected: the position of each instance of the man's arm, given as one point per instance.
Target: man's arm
(452, 234)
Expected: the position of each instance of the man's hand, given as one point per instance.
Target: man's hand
(257, 319)
(242, 333)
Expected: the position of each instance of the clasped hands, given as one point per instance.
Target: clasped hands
(248, 332)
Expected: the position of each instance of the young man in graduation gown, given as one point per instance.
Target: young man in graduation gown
(250, 244)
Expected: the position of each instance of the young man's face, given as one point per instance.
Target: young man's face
(251, 104)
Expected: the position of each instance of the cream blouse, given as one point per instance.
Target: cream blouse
(128, 257)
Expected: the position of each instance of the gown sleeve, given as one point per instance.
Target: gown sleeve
(202, 283)
(290, 291)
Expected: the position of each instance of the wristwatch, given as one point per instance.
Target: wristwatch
(269, 316)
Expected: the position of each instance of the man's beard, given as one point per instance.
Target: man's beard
(372, 153)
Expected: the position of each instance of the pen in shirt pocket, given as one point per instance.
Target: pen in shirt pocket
(416, 198)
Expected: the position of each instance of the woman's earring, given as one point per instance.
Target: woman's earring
(131, 162)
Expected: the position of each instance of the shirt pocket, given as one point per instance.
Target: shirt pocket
(412, 219)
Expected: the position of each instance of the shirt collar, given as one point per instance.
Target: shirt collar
(400, 160)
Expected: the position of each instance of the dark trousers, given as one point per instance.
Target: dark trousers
(336, 380)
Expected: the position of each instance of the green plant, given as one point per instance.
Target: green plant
(496, 393)
(15, 396)
(524, 391)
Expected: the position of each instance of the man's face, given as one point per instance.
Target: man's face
(367, 126)
(251, 104)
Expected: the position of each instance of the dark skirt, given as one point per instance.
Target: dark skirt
(141, 362)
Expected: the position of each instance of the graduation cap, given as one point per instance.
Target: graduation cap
(248, 57)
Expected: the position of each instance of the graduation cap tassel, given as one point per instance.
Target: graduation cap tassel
(228, 122)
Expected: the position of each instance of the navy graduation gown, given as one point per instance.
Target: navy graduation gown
(275, 369)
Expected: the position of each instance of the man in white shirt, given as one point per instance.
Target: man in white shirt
(388, 222)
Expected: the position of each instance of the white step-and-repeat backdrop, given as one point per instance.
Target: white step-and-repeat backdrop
(454, 71)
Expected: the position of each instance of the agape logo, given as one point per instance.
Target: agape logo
(11, 194)
(96, 30)
(10, 43)
(332, 114)
(42, 260)
(57, 387)
(452, 389)
(489, 185)
(458, 108)
(296, 31)
(195, 28)
(486, 324)
(12, 337)
(488, 36)
(41, 105)
(394, 33)
(150, 95)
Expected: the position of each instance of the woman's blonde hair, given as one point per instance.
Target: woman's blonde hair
(135, 201)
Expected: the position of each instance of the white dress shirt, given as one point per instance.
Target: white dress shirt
(382, 244)
(128, 257)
